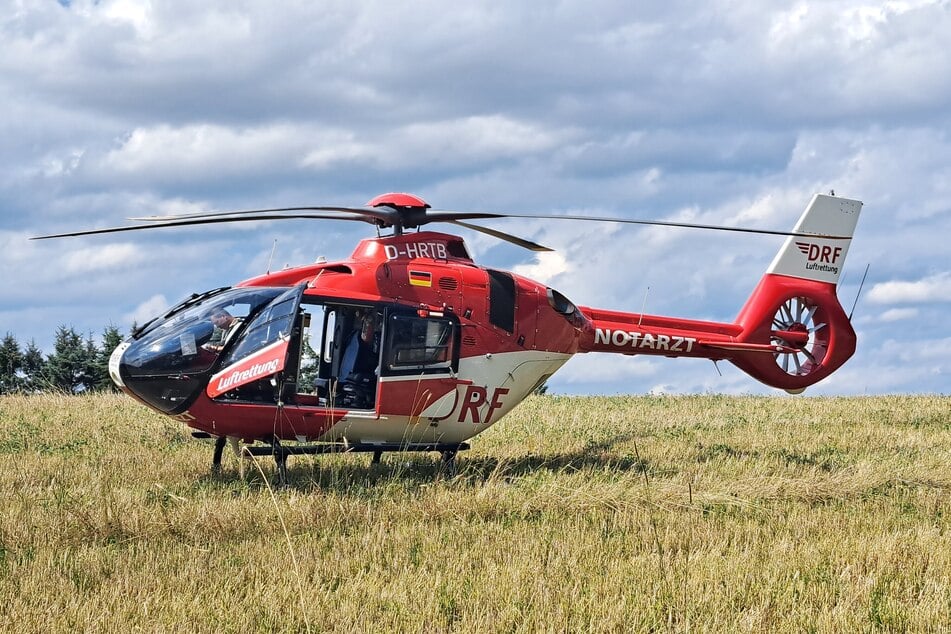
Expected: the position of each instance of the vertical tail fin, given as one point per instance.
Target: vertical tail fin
(819, 258)
(795, 309)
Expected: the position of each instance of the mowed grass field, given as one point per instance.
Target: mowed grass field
(705, 513)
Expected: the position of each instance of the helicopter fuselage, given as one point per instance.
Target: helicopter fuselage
(455, 347)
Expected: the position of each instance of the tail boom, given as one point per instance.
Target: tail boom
(790, 334)
(792, 331)
(634, 333)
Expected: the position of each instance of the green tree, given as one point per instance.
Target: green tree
(11, 365)
(33, 368)
(67, 369)
(309, 366)
(90, 378)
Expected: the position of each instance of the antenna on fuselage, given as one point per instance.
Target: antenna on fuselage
(643, 307)
(271, 257)
(859, 292)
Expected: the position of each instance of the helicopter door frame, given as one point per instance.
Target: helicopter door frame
(328, 389)
(420, 363)
(260, 351)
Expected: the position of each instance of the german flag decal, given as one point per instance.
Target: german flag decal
(420, 278)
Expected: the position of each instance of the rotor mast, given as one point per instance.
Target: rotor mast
(407, 210)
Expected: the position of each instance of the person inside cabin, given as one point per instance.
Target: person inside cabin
(358, 363)
(225, 325)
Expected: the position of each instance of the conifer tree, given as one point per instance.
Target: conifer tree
(33, 367)
(111, 338)
(67, 369)
(90, 373)
(11, 365)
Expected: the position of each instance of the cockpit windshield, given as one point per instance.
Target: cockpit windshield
(190, 340)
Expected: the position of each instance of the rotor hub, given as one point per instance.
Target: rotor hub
(398, 201)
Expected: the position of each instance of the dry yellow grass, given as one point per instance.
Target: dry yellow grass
(703, 513)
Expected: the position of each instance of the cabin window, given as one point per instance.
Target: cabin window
(502, 300)
(416, 343)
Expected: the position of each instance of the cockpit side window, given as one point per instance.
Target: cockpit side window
(272, 324)
(419, 344)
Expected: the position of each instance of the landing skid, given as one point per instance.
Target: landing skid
(281, 452)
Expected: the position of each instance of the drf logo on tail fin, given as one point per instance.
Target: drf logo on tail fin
(817, 253)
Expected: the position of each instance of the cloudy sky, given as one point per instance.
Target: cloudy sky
(718, 112)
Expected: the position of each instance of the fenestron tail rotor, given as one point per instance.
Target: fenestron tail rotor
(804, 338)
(397, 211)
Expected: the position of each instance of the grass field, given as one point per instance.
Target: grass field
(704, 513)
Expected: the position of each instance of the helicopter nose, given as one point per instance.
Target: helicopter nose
(114, 360)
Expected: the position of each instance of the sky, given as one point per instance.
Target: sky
(720, 112)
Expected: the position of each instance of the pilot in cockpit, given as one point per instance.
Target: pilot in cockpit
(358, 363)
(225, 325)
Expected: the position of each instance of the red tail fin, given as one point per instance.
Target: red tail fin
(795, 308)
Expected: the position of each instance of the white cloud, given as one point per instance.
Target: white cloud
(138, 14)
(482, 137)
(92, 259)
(932, 289)
(198, 150)
(546, 267)
(607, 369)
(147, 310)
(898, 314)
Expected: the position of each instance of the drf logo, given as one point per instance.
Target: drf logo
(817, 253)
(476, 397)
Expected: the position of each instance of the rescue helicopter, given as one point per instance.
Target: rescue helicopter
(410, 345)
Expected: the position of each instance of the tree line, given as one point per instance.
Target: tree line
(77, 363)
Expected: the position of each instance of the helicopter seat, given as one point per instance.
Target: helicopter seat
(358, 390)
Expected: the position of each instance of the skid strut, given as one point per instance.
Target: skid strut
(449, 462)
(220, 443)
(282, 452)
(280, 461)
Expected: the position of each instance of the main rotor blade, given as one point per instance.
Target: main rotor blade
(388, 216)
(628, 221)
(203, 221)
(444, 215)
(378, 213)
(527, 244)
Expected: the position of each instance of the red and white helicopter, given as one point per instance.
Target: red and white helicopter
(410, 345)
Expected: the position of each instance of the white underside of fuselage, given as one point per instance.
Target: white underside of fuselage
(489, 387)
